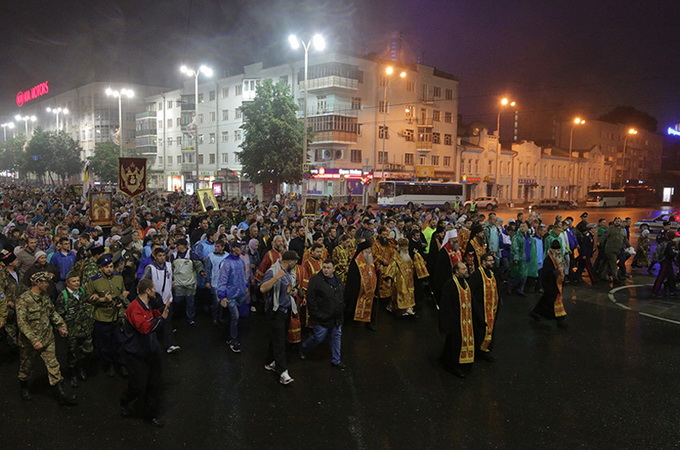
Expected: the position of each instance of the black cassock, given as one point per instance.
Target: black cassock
(449, 324)
(476, 283)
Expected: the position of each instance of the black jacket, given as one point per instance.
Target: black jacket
(325, 300)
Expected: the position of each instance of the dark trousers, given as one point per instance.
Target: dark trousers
(108, 338)
(145, 378)
(166, 331)
(666, 275)
(276, 350)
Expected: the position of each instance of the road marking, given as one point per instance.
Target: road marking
(616, 289)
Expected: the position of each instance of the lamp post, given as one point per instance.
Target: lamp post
(129, 93)
(389, 71)
(503, 103)
(319, 43)
(6, 125)
(207, 71)
(631, 131)
(56, 112)
(577, 121)
(18, 117)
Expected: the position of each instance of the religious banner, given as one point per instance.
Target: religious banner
(207, 199)
(100, 208)
(132, 176)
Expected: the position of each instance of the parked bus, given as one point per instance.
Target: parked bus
(406, 193)
(640, 196)
(601, 198)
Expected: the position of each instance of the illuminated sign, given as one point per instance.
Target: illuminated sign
(467, 179)
(24, 97)
(337, 174)
(673, 131)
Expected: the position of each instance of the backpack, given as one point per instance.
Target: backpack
(659, 251)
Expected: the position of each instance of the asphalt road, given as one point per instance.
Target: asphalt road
(608, 381)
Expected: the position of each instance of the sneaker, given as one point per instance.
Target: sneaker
(389, 307)
(271, 366)
(235, 347)
(410, 312)
(192, 322)
(253, 309)
(285, 378)
(340, 366)
(172, 348)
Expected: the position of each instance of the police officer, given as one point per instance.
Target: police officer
(77, 314)
(36, 317)
(109, 297)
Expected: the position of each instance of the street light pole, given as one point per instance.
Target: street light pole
(56, 112)
(319, 44)
(195, 73)
(630, 132)
(25, 119)
(577, 121)
(388, 81)
(129, 93)
(504, 102)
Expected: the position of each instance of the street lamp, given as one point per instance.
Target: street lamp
(56, 112)
(9, 125)
(389, 71)
(18, 117)
(208, 72)
(129, 93)
(319, 44)
(577, 121)
(503, 103)
(631, 131)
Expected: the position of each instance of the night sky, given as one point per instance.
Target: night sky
(580, 57)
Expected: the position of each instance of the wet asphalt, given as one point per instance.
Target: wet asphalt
(608, 381)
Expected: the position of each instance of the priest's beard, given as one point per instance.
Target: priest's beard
(369, 258)
(405, 256)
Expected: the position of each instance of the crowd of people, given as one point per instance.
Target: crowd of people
(112, 292)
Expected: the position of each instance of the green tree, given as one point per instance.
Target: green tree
(66, 155)
(39, 153)
(104, 162)
(13, 157)
(272, 145)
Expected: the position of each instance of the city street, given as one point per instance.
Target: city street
(608, 381)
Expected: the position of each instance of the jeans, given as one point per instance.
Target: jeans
(216, 309)
(233, 305)
(319, 334)
(189, 305)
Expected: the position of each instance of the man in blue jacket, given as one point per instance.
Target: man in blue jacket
(231, 290)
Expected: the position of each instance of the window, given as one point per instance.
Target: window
(449, 94)
(169, 123)
(213, 116)
(160, 160)
(411, 86)
(238, 89)
(356, 102)
(437, 91)
(382, 157)
(284, 79)
(200, 158)
(408, 159)
(447, 139)
(200, 98)
(200, 138)
(225, 136)
(177, 122)
(225, 114)
(169, 104)
(237, 135)
(212, 138)
(160, 106)
(160, 124)
(321, 104)
(421, 160)
(178, 103)
(408, 135)
(436, 115)
(436, 138)
(225, 92)
(447, 161)
(169, 141)
(383, 107)
(435, 160)
(169, 160)
(211, 158)
(212, 95)
(179, 141)
(200, 118)
(225, 158)
(447, 117)
(237, 113)
(382, 80)
(383, 132)
(355, 156)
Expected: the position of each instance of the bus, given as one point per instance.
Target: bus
(407, 193)
(640, 196)
(601, 198)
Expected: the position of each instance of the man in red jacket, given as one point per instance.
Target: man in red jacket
(143, 354)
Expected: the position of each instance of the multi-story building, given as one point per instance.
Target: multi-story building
(362, 119)
(635, 156)
(87, 113)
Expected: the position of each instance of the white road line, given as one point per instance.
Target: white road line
(660, 318)
(616, 289)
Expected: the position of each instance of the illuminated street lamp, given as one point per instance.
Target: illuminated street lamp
(631, 132)
(319, 44)
(208, 72)
(18, 118)
(9, 125)
(577, 121)
(56, 112)
(389, 71)
(503, 103)
(129, 93)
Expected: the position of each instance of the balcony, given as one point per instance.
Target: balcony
(188, 167)
(423, 146)
(148, 132)
(188, 149)
(145, 115)
(315, 112)
(330, 83)
(188, 106)
(147, 150)
(425, 122)
(334, 137)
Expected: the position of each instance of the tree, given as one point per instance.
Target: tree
(272, 146)
(104, 162)
(630, 116)
(39, 154)
(66, 155)
(13, 157)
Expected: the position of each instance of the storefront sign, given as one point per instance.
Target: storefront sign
(336, 174)
(24, 97)
(526, 181)
(467, 179)
(423, 171)
(674, 131)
